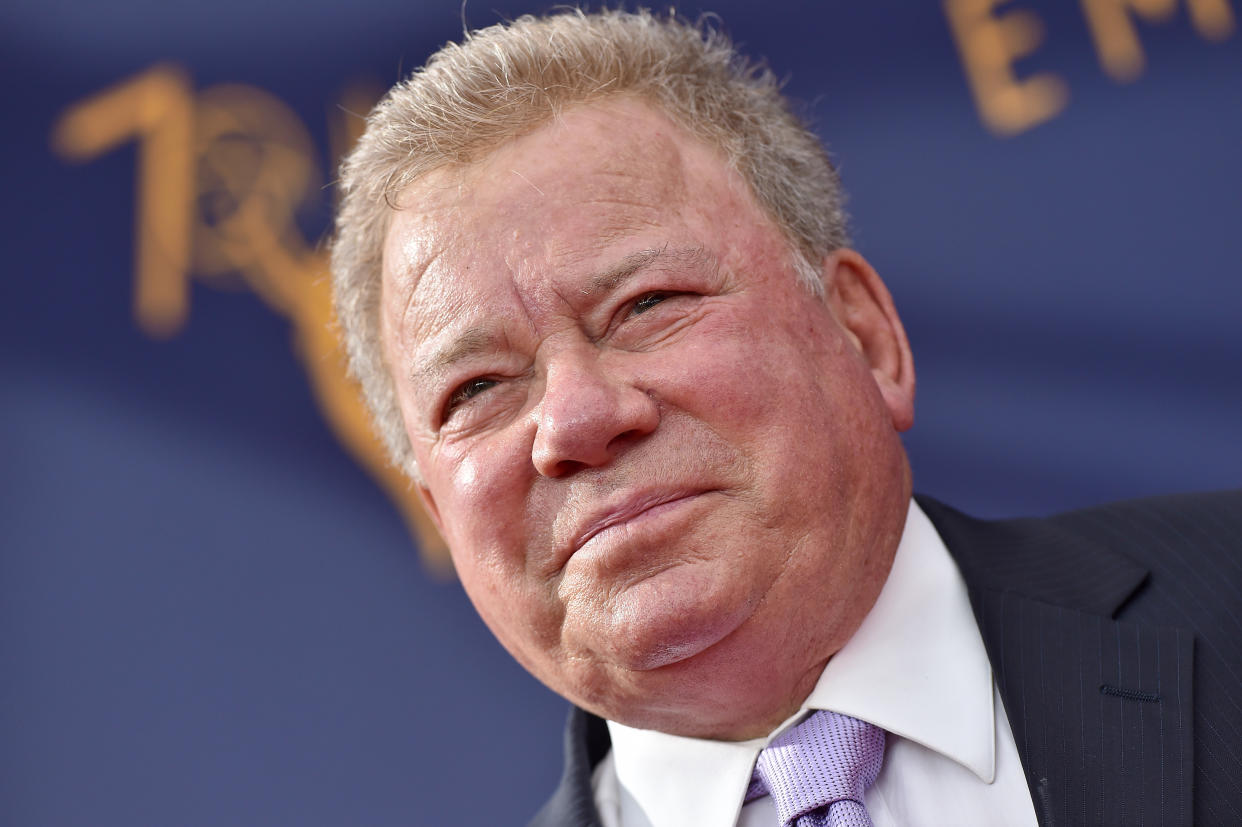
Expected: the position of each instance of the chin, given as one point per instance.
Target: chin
(696, 699)
(673, 617)
(696, 686)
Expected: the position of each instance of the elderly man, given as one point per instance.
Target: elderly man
(595, 282)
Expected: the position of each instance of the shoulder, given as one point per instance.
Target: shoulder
(1190, 543)
(1159, 521)
(1192, 546)
(1163, 533)
(1158, 518)
(1177, 558)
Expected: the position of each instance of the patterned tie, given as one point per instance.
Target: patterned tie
(817, 771)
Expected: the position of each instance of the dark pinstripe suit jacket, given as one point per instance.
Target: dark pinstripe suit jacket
(1115, 635)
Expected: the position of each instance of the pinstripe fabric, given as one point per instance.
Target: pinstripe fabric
(1116, 637)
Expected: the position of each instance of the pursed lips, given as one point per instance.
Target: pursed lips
(630, 508)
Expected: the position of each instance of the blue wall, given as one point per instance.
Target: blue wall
(210, 613)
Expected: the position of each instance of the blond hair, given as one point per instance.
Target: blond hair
(507, 80)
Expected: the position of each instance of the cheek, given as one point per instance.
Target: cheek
(477, 487)
(760, 378)
(483, 493)
(483, 509)
(794, 399)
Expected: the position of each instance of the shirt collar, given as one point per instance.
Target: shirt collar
(916, 667)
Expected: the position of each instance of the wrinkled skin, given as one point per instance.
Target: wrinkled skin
(669, 475)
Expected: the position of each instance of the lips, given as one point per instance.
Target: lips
(631, 507)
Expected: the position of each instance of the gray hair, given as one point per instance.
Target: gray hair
(507, 80)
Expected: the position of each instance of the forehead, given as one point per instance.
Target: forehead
(600, 181)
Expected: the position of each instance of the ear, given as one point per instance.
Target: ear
(862, 305)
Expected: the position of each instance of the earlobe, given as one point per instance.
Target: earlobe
(864, 308)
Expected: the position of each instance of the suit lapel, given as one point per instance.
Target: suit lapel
(1101, 710)
(573, 803)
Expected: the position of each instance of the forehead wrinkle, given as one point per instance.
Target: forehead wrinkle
(411, 279)
(610, 233)
(641, 187)
(636, 215)
(430, 235)
(644, 211)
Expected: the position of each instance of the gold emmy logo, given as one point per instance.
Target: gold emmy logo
(220, 177)
(990, 44)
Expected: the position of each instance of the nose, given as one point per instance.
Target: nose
(587, 415)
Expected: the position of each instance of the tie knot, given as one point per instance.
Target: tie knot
(828, 758)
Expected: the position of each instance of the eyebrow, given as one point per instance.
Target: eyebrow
(473, 342)
(613, 277)
(478, 340)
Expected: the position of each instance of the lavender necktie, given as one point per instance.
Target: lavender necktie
(817, 771)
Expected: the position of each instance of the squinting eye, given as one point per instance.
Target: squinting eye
(649, 301)
(466, 392)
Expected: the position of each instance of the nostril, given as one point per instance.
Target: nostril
(565, 468)
(627, 437)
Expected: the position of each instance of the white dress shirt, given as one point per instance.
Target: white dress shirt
(916, 667)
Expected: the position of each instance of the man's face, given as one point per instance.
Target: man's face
(668, 474)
